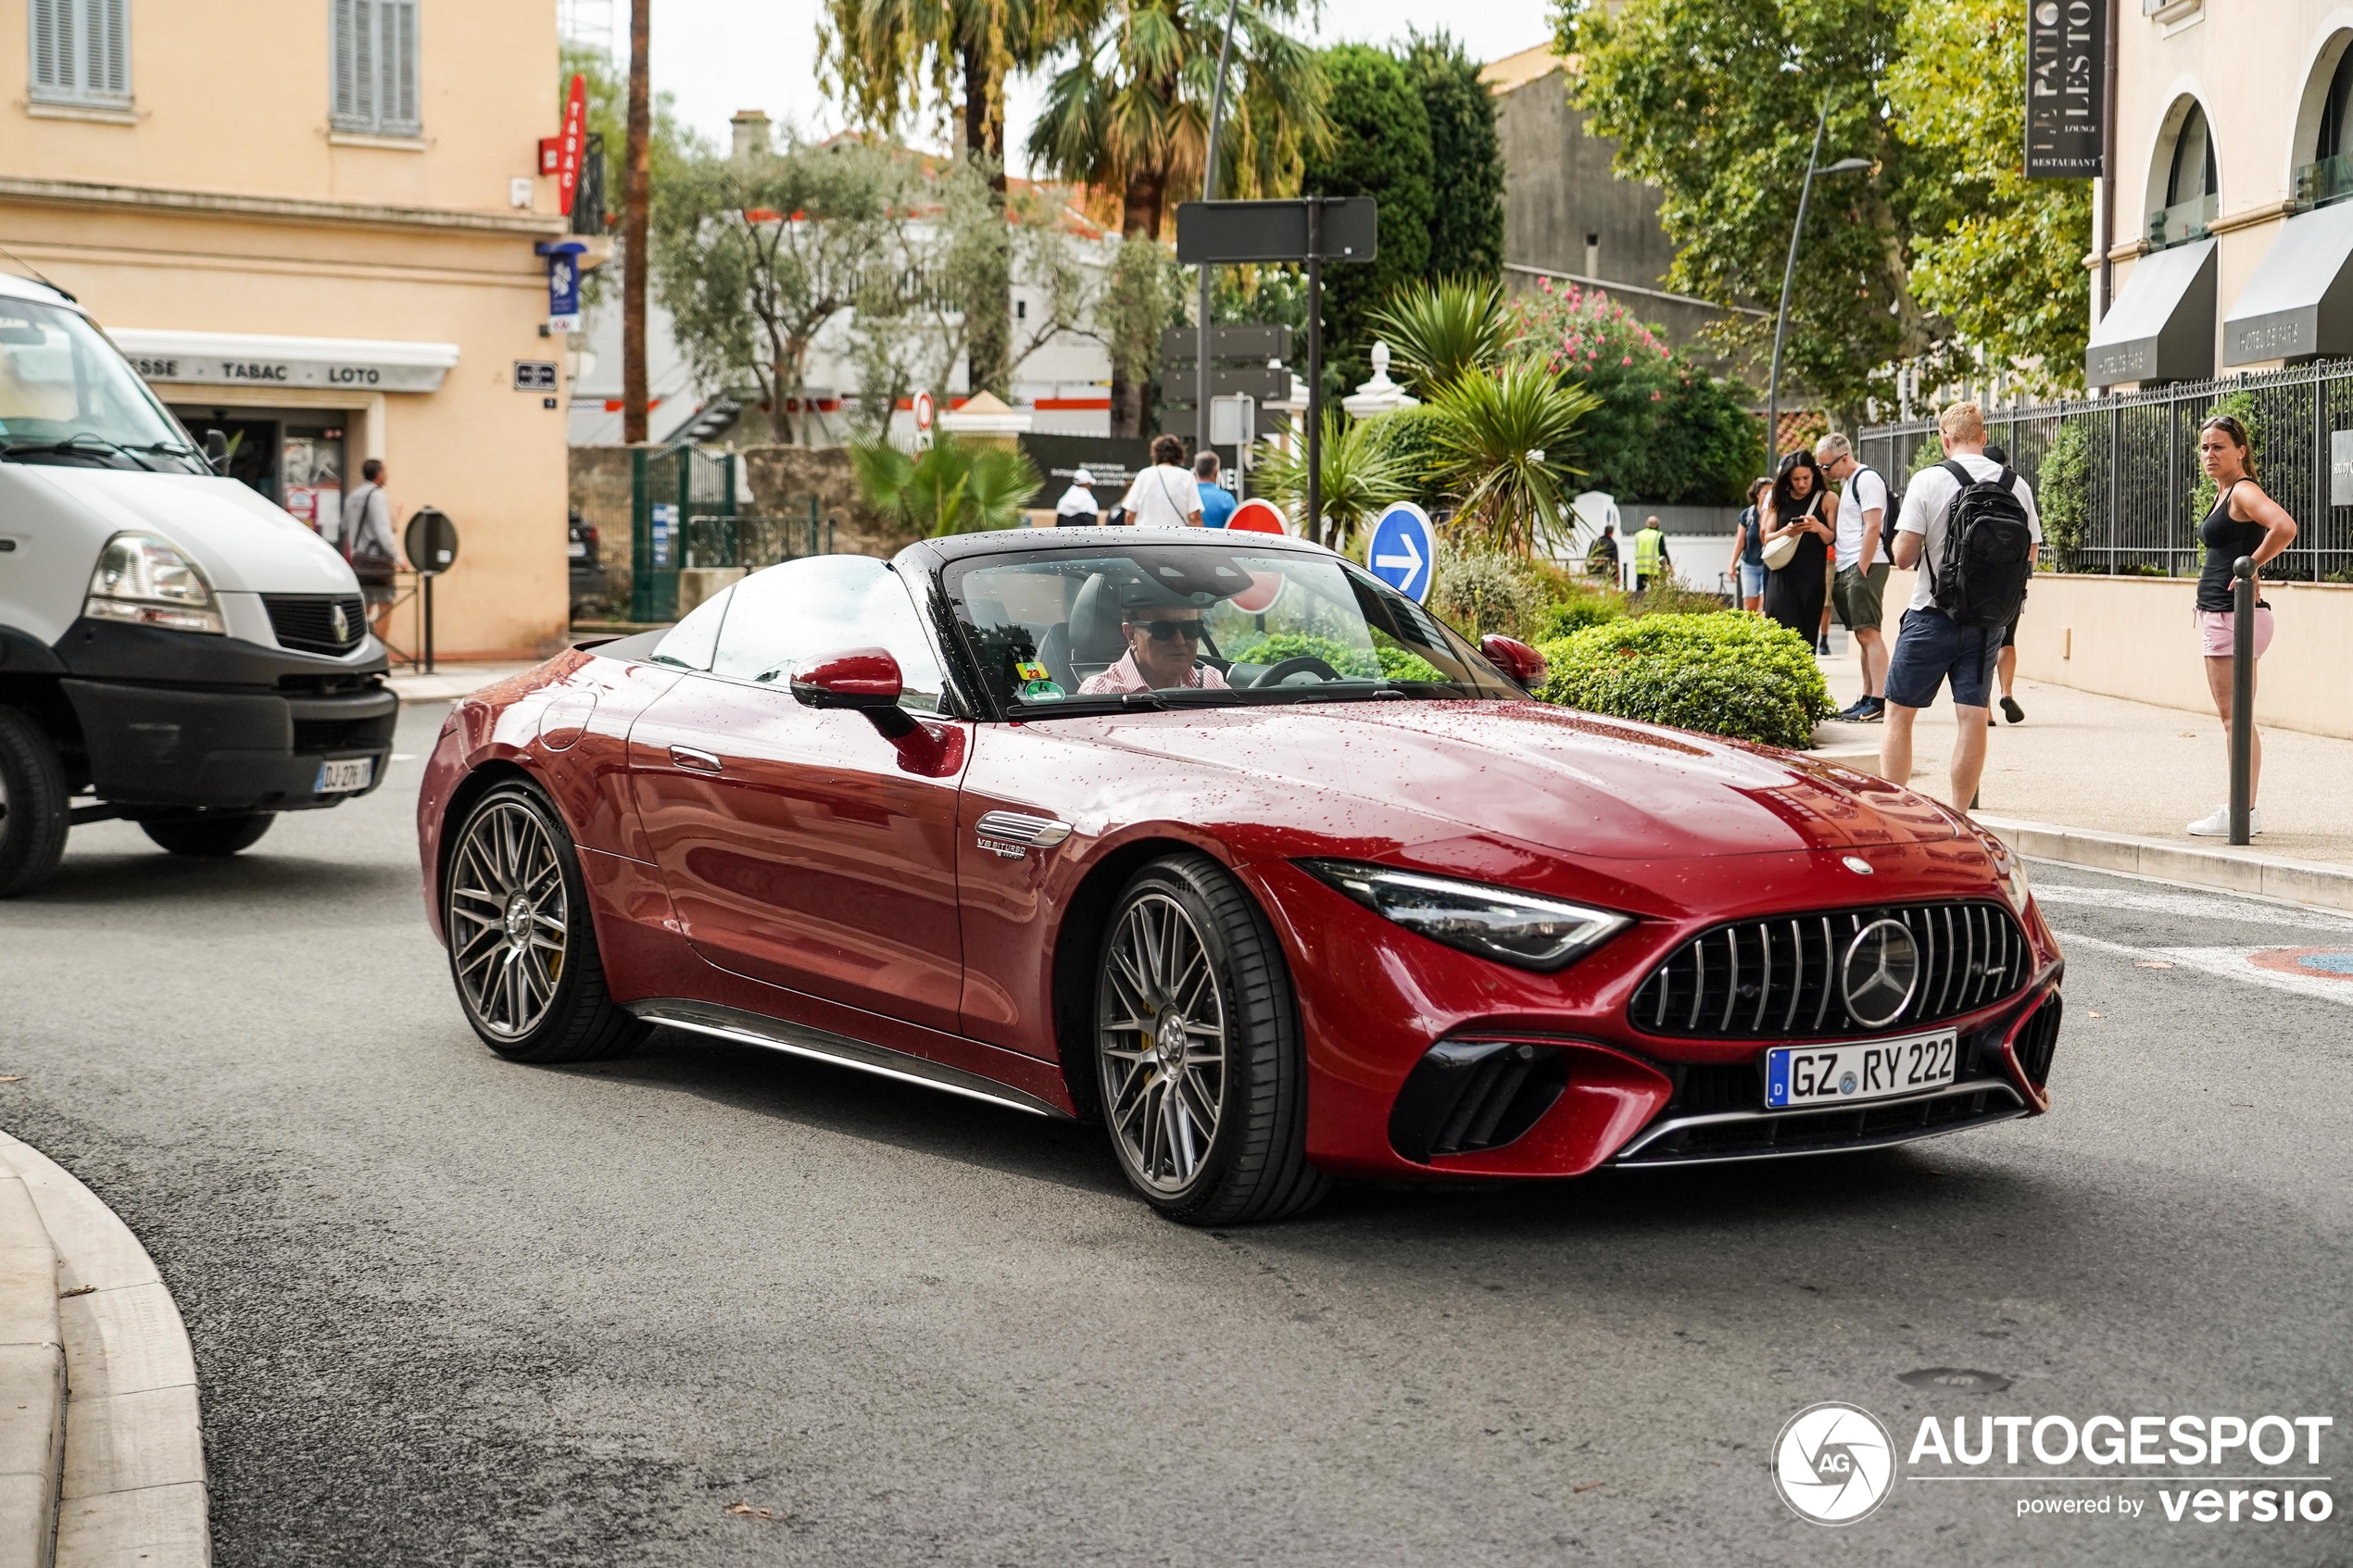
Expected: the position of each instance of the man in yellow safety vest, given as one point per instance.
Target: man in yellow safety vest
(1651, 558)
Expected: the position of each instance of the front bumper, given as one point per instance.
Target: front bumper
(1381, 1007)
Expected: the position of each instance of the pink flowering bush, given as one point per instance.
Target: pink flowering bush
(1666, 431)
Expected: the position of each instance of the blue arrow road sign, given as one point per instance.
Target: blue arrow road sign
(1404, 550)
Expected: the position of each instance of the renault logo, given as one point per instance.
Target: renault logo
(340, 622)
(1880, 973)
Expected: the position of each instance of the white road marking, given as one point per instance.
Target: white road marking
(2199, 906)
(2231, 963)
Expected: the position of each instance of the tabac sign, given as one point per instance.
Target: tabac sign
(2065, 105)
(184, 358)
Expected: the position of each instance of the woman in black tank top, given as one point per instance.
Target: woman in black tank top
(2245, 521)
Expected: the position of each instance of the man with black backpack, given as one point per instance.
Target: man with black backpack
(1968, 526)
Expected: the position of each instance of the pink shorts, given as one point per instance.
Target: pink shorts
(2216, 636)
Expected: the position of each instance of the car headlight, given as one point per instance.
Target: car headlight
(1520, 929)
(2008, 870)
(146, 582)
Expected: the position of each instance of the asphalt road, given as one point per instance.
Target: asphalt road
(446, 1310)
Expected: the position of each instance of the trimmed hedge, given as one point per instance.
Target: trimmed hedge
(1392, 662)
(1739, 675)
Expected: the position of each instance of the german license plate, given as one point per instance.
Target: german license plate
(1846, 1075)
(344, 775)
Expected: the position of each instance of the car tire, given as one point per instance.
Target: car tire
(34, 804)
(1187, 958)
(210, 837)
(523, 947)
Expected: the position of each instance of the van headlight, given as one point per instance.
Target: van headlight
(146, 582)
(1520, 929)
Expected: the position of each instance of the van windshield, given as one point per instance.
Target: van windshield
(66, 395)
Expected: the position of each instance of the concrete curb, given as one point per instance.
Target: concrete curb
(130, 1486)
(32, 1380)
(2234, 871)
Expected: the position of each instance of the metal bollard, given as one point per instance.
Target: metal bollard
(2241, 698)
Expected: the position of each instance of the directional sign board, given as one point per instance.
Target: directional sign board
(1404, 550)
(1347, 229)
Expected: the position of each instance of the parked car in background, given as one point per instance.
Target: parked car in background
(590, 588)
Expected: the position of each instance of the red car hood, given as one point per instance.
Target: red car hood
(1569, 781)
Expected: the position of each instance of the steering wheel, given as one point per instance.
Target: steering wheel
(1305, 664)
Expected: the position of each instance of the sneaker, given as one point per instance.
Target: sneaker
(2219, 824)
(1856, 712)
(1874, 711)
(2012, 711)
(1822, 647)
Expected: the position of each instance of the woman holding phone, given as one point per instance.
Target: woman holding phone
(2245, 521)
(1800, 523)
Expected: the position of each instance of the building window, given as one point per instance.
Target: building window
(2192, 194)
(2329, 177)
(375, 67)
(81, 52)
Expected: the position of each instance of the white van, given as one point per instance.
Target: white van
(174, 650)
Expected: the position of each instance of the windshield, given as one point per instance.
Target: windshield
(66, 393)
(1200, 623)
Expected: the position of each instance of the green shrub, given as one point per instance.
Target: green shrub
(2063, 491)
(1407, 438)
(1737, 675)
(1393, 662)
(1569, 616)
(1672, 597)
(1479, 590)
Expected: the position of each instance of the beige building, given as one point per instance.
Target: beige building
(311, 224)
(2232, 233)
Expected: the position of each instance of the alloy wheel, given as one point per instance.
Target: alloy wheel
(1161, 1029)
(507, 917)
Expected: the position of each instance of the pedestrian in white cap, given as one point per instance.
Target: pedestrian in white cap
(1076, 509)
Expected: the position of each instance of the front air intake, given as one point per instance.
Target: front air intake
(1465, 1095)
(2038, 1040)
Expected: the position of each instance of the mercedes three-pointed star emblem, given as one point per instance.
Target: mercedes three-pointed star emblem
(1880, 970)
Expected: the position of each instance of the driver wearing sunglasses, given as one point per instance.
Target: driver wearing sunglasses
(1161, 641)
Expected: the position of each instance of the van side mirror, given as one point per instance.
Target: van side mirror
(216, 450)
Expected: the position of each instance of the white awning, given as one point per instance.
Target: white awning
(2300, 301)
(337, 364)
(2161, 327)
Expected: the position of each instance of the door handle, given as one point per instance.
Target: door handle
(698, 762)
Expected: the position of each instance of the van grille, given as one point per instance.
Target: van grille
(308, 621)
(1779, 979)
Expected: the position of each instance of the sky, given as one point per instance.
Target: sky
(716, 56)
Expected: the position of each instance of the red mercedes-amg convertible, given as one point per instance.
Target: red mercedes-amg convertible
(1217, 841)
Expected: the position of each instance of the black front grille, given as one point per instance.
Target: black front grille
(1779, 979)
(1815, 1131)
(314, 736)
(1465, 1095)
(2038, 1041)
(309, 622)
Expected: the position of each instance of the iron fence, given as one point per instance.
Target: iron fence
(2144, 474)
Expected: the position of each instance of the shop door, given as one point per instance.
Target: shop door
(311, 470)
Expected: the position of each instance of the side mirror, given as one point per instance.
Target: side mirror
(216, 450)
(1515, 658)
(864, 680)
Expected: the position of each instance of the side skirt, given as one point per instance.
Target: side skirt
(820, 1045)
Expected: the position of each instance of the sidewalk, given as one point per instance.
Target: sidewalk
(450, 681)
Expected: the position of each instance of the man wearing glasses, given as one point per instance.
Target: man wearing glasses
(1161, 641)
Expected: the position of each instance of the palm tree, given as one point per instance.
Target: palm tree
(951, 487)
(1504, 440)
(1439, 330)
(1129, 114)
(890, 58)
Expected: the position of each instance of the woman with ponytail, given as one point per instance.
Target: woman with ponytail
(2245, 521)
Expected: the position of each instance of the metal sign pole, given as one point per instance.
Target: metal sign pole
(1209, 193)
(1315, 519)
(2243, 701)
(428, 593)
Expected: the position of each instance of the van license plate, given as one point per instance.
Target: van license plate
(344, 775)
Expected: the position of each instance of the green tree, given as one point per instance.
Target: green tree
(754, 257)
(888, 59)
(1714, 102)
(1379, 146)
(1467, 162)
(2001, 257)
(1435, 331)
(1128, 113)
(1504, 444)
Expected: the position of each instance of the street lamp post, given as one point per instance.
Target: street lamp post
(1209, 193)
(1788, 276)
